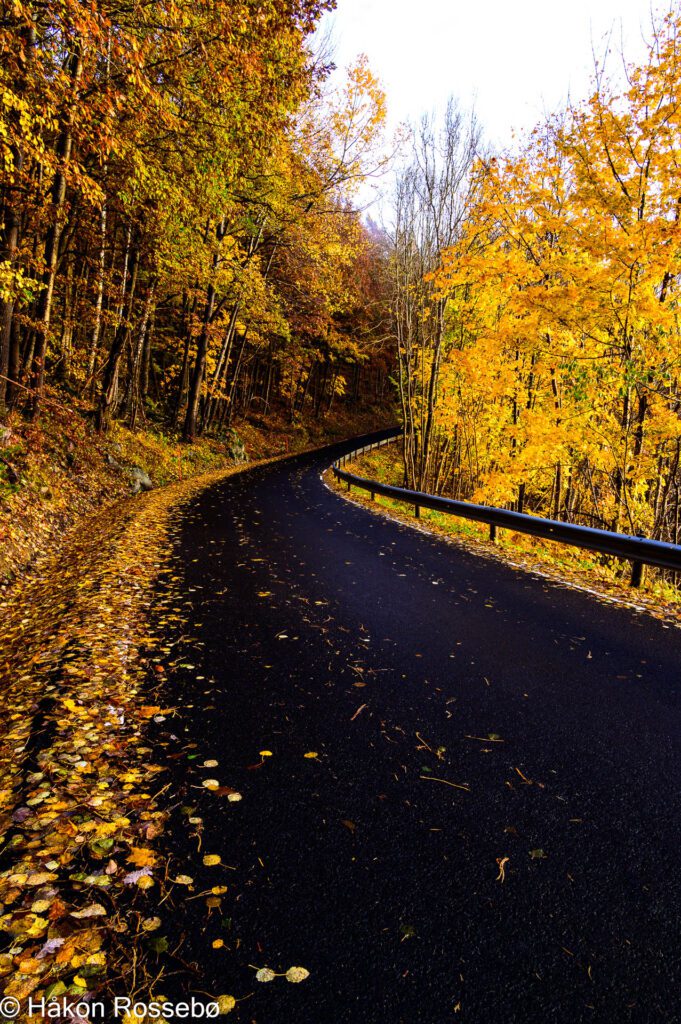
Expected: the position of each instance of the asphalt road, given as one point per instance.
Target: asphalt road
(402, 661)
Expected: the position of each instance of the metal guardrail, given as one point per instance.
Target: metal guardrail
(638, 550)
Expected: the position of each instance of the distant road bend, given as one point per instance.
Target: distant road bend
(490, 829)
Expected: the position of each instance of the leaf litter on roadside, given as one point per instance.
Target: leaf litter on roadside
(80, 812)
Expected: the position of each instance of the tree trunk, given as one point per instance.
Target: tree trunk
(97, 326)
(10, 219)
(135, 403)
(54, 232)
(109, 391)
(189, 432)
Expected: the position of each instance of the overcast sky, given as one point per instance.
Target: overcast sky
(515, 59)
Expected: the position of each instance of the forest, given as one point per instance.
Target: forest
(536, 306)
(178, 239)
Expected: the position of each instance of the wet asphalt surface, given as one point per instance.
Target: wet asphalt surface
(401, 660)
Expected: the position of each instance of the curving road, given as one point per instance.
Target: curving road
(402, 661)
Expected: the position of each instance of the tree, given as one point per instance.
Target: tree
(432, 197)
(560, 388)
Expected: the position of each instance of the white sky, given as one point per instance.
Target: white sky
(515, 59)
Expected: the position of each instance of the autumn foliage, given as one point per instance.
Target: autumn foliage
(555, 387)
(177, 237)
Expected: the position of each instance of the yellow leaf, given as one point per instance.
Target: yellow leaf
(41, 878)
(30, 966)
(21, 986)
(36, 926)
(106, 828)
(211, 859)
(141, 857)
(131, 1018)
(149, 710)
(297, 974)
(225, 1004)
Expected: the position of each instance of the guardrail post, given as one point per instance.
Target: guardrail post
(349, 485)
(637, 572)
(638, 569)
(417, 511)
(493, 532)
(373, 495)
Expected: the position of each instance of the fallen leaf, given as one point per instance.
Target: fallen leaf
(93, 910)
(133, 877)
(225, 1004)
(297, 974)
(148, 711)
(265, 974)
(50, 947)
(141, 857)
(41, 878)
